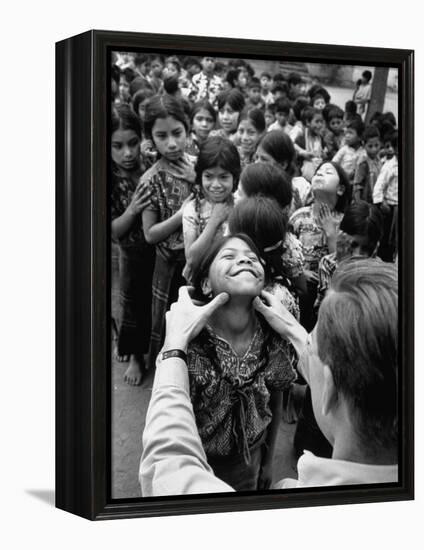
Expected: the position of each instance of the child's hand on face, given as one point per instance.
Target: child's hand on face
(147, 150)
(220, 212)
(185, 170)
(140, 199)
(327, 220)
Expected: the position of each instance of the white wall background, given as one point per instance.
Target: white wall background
(29, 31)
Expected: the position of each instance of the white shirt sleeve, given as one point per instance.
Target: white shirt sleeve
(173, 460)
(381, 185)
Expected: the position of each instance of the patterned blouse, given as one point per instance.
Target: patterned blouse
(169, 191)
(231, 394)
(205, 87)
(121, 194)
(311, 235)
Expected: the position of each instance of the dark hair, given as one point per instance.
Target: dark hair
(270, 107)
(189, 61)
(282, 106)
(115, 73)
(392, 138)
(264, 73)
(343, 200)
(367, 75)
(218, 151)
(351, 107)
(389, 118)
(256, 117)
(128, 74)
(124, 118)
(362, 218)
(202, 270)
(139, 83)
(357, 337)
(174, 61)
(262, 219)
(294, 78)
(140, 96)
(280, 87)
(333, 112)
(299, 105)
(357, 125)
(309, 113)
(280, 147)
(141, 58)
(317, 90)
(162, 107)
(370, 132)
(202, 104)
(233, 97)
(254, 83)
(232, 76)
(269, 180)
(171, 84)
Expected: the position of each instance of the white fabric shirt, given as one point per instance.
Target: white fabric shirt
(314, 471)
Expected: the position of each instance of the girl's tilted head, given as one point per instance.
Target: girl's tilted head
(266, 179)
(250, 129)
(232, 265)
(165, 123)
(330, 185)
(277, 147)
(218, 168)
(125, 137)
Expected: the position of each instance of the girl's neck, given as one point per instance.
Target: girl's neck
(235, 321)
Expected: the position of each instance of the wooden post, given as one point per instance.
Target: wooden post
(378, 92)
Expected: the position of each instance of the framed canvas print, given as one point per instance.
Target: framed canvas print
(234, 274)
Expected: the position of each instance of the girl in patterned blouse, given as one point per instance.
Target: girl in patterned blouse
(204, 217)
(170, 182)
(203, 119)
(250, 129)
(237, 368)
(136, 257)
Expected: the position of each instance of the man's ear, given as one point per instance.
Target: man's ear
(206, 287)
(329, 392)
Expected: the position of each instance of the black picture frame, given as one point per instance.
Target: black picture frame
(82, 253)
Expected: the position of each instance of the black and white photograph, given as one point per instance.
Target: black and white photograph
(254, 259)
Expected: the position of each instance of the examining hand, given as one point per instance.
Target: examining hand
(185, 170)
(281, 320)
(140, 199)
(186, 319)
(327, 220)
(220, 212)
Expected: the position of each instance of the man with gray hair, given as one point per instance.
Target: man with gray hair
(349, 360)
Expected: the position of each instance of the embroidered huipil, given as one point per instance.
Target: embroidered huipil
(231, 394)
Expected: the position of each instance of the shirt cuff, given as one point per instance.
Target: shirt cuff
(171, 372)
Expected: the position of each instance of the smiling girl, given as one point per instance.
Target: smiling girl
(170, 181)
(230, 105)
(250, 130)
(237, 368)
(203, 119)
(204, 217)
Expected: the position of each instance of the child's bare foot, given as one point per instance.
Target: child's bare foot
(121, 358)
(134, 373)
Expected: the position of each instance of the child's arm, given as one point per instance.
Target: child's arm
(380, 186)
(276, 406)
(156, 232)
(196, 249)
(123, 223)
(338, 157)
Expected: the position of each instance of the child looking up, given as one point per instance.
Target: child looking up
(250, 130)
(310, 145)
(170, 181)
(282, 112)
(203, 120)
(369, 166)
(204, 217)
(349, 155)
(136, 257)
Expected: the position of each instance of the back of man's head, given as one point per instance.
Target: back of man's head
(357, 337)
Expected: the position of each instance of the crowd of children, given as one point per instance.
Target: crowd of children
(201, 149)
